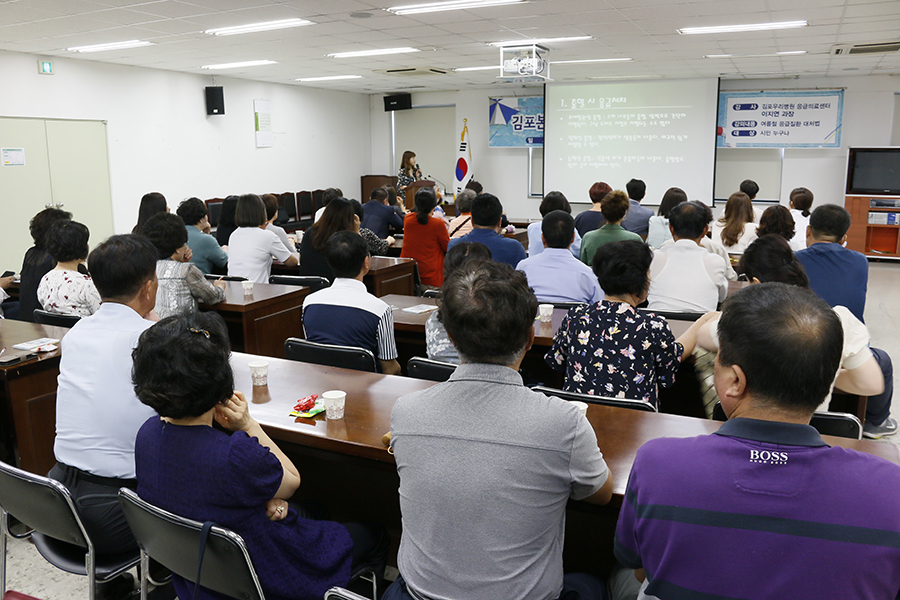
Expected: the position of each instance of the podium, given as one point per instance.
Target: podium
(411, 190)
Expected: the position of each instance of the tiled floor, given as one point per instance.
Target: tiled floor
(27, 572)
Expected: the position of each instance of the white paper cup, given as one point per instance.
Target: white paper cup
(248, 287)
(334, 404)
(581, 406)
(259, 372)
(546, 312)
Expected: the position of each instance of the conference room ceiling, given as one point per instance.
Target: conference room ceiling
(642, 30)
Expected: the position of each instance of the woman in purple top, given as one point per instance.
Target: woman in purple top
(240, 481)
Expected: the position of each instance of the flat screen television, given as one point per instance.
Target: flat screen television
(874, 171)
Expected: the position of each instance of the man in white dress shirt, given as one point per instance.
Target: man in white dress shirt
(684, 276)
(97, 412)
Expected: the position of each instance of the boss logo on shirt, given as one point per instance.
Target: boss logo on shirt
(768, 458)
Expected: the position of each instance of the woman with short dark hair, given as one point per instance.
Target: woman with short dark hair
(240, 481)
(64, 289)
(251, 247)
(778, 220)
(614, 206)
(613, 349)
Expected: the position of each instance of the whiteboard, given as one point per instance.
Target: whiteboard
(762, 165)
(66, 162)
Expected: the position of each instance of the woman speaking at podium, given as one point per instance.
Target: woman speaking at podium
(409, 173)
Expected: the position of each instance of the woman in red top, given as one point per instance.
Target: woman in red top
(425, 238)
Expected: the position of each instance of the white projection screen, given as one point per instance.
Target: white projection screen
(663, 132)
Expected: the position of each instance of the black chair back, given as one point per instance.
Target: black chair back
(318, 198)
(313, 282)
(346, 357)
(305, 204)
(288, 201)
(606, 401)
(214, 277)
(174, 542)
(432, 370)
(214, 209)
(827, 423)
(45, 317)
(675, 315)
(567, 305)
(431, 293)
(338, 593)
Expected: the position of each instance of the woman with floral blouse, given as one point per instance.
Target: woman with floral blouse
(613, 349)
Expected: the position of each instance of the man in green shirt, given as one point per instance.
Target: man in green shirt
(614, 208)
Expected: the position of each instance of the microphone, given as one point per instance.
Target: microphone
(443, 185)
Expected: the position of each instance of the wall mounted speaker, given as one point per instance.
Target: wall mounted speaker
(397, 102)
(215, 101)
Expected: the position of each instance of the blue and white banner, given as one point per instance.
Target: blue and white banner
(516, 122)
(783, 119)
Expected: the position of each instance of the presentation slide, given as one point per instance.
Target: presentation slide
(663, 132)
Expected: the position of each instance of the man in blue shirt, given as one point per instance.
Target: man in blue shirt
(486, 215)
(379, 216)
(554, 274)
(638, 218)
(838, 275)
(205, 250)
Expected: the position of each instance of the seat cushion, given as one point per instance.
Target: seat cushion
(70, 558)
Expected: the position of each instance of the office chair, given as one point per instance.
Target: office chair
(432, 370)
(827, 423)
(675, 315)
(58, 534)
(346, 357)
(567, 305)
(339, 593)
(213, 277)
(590, 399)
(313, 282)
(431, 294)
(45, 317)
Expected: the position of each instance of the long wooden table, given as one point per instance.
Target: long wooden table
(387, 275)
(259, 323)
(29, 398)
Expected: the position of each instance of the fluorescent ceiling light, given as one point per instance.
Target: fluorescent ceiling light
(112, 46)
(414, 9)
(789, 53)
(589, 60)
(254, 27)
(329, 78)
(577, 38)
(740, 28)
(238, 65)
(626, 77)
(494, 68)
(380, 52)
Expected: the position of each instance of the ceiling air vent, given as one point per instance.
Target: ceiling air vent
(845, 49)
(413, 71)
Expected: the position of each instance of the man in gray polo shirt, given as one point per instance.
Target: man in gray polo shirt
(486, 465)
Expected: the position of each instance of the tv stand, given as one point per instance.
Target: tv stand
(876, 240)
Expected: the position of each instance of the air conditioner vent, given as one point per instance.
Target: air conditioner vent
(413, 71)
(881, 48)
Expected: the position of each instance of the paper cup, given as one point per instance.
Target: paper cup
(259, 372)
(334, 404)
(248, 287)
(546, 312)
(581, 406)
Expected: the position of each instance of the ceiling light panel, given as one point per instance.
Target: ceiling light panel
(110, 46)
(515, 43)
(415, 9)
(589, 60)
(379, 52)
(329, 78)
(742, 28)
(238, 65)
(257, 27)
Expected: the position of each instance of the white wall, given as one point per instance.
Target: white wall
(160, 138)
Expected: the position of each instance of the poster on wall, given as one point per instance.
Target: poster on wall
(262, 116)
(516, 122)
(780, 119)
(12, 157)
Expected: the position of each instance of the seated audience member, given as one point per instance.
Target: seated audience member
(487, 213)
(241, 481)
(340, 215)
(776, 219)
(151, 204)
(425, 238)
(346, 314)
(638, 218)
(475, 186)
(181, 285)
(379, 216)
(611, 348)
(271, 204)
(800, 203)
(524, 459)
(394, 202)
(377, 246)
(614, 207)
(205, 251)
(684, 276)
(658, 225)
(251, 247)
(554, 274)
(437, 344)
(838, 275)
(592, 218)
(65, 289)
(327, 196)
(864, 370)
(552, 201)
(97, 412)
(37, 261)
(226, 224)
(736, 229)
(462, 224)
(751, 188)
(8, 310)
(764, 494)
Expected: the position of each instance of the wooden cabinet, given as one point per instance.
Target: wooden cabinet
(881, 240)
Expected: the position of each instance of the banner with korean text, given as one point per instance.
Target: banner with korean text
(516, 122)
(780, 119)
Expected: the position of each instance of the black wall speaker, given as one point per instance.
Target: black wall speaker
(215, 101)
(397, 102)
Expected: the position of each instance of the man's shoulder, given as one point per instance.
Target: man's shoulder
(349, 297)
